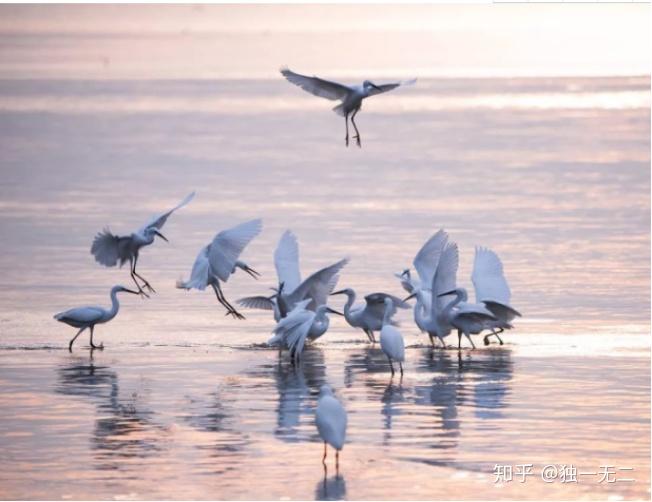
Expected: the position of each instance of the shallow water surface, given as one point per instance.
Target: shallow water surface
(553, 174)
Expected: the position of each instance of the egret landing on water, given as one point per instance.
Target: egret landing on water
(350, 97)
(391, 340)
(330, 419)
(109, 248)
(219, 259)
(88, 317)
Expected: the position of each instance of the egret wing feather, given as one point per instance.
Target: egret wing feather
(375, 304)
(81, 315)
(200, 274)
(286, 260)
(317, 86)
(427, 259)
(318, 286)
(445, 278)
(109, 249)
(256, 302)
(488, 277)
(159, 221)
(226, 247)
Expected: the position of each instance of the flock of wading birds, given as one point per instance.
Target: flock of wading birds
(301, 308)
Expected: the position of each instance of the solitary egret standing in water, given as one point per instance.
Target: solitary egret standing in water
(88, 317)
(350, 97)
(219, 259)
(109, 248)
(330, 419)
(391, 340)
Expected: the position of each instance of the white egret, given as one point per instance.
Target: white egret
(330, 418)
(436, 264)
(391, 340)
(109, 249)
(291, 289)
(219, 259)
(300, 325)
(350, 97)
(88, 317)
(468, 318)
(369, 318)
(491, 288)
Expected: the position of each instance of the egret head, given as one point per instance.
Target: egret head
(152, 232)
(345, 291)
(119, 289)
(368, 84)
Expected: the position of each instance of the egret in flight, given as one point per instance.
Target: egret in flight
(350, 97)
(330, 419)
(219, 259)
(492, 290)
(292, 289)
(391, 340)
(299, 326)
(369, 318)
(109, 249)
(88, 317)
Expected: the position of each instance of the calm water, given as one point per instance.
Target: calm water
(554, 174)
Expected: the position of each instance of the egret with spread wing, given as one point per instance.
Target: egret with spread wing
(88, 317)
(350, 97)
(109, 249)
(291, 289)
(491, 288)
(369, 318)
(219, 259)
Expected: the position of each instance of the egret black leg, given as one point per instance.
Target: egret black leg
(75, 338)
(337, 461)
(147, 284)
(346, 123)
(323, 459)
(357, 133)
(400, 365)
(500, 340)
(391, 366)
(470, 340)
(220, 297)
(372, 338)
(101, 346)
(459, 339)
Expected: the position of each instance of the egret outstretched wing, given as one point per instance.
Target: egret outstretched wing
(159, 221)
(445, 278)
(223, 252)
(256, 302)
(318, 286)
(108, 248)
(376, 304)
(427, 259)
(200, 272)
(286, 260)
(317, 86)
(488, 277)
(379, 89)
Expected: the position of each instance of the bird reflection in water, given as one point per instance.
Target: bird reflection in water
(124, 429)
(333, 488)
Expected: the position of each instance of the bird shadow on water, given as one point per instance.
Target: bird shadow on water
(333, 488)
(124, 428)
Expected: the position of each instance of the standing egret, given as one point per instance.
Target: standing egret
(88, 317)
(468, 318)
(391, 340)
(330, 419)
(368, 318)
(219, 259)
(291, 289)
(491, 288)
(109, 248)
(300, 325)
(350, 97)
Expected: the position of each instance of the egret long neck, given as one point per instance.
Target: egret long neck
(350, 299)
(387, 315)
(115, 304)
(448, 308)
